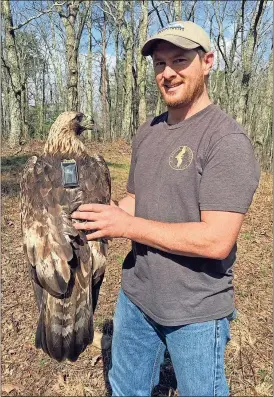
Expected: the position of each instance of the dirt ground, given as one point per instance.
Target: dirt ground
(29, 372)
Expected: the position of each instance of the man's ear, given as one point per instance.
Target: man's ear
(208, 60)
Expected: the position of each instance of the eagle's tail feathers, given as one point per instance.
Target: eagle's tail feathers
(40, 337)
(65, 326)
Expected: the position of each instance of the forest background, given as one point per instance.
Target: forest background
(85, 55)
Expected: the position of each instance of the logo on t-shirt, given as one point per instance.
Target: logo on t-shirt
(181, 158)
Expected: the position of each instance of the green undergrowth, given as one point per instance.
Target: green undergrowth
(13, 162)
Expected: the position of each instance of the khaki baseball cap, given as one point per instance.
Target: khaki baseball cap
(184, 34)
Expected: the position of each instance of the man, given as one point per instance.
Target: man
(192, 178)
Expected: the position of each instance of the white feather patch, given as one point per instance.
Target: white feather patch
(80, 323)
(61, 330)
(62, 316)
(67, 304)
(99, 260)
(45, 269)
(81, 306)
(83, 269)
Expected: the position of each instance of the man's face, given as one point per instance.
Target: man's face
(180, 74)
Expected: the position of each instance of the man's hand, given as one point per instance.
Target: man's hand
(212, 237)
(102, 220)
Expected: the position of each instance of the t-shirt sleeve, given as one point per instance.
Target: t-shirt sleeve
(136, 141)
(230, 176)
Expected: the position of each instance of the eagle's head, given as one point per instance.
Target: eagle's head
(64, 132)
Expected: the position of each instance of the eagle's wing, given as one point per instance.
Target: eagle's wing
(102, 184)
(64, 266)
(98, 190)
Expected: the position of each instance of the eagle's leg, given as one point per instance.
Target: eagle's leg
(100, 341)
(95, 291)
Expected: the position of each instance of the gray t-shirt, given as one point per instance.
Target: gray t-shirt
(205, 162)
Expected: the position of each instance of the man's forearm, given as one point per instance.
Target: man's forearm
(212, 237)
(189, 239)
(128, 204)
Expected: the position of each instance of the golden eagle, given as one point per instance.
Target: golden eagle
(66, 269)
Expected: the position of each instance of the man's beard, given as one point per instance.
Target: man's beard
(189, 96)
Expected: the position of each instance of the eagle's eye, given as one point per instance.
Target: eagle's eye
(79, 117)
(76, 123)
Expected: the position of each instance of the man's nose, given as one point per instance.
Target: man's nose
(168, 73)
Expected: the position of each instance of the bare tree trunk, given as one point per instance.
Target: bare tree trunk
(5, 97)
(89, 108)
(225, 89)
(134, 67)
(116, 117)
(57, 68)
(127, 36)
(13, 69)
(89, 105)
(73, 37)
(72, 56)
(248, 50)
(177, 10)
(127, 116)
(263, 136)
(104, 89)
(5, 107)
(37, 106)
(42, 107)
(160, 107)
(142, 64)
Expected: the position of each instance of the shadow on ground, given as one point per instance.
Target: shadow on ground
(167, 383)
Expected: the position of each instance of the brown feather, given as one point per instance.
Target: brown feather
(66, 270)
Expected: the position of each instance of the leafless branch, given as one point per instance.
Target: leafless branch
(106, 12)
(221, 51)
(12, 28)
(157, 12)
(258, 16)
(191, 14)
(154, 9)
(109, 8)
(82, 23)
(167, 18)
(4, 63)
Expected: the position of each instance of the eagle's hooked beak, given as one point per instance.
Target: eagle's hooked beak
(87, 123)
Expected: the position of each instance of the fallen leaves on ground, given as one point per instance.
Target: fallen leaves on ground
(28, 371)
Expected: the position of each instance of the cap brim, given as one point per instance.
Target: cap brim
(176, 40)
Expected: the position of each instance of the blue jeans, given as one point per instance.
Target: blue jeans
(138, 347)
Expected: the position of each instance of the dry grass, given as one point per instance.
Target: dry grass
(26, 371)
(249, 356)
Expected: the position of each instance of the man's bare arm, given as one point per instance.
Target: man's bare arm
(128, 204)
(213, 237)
